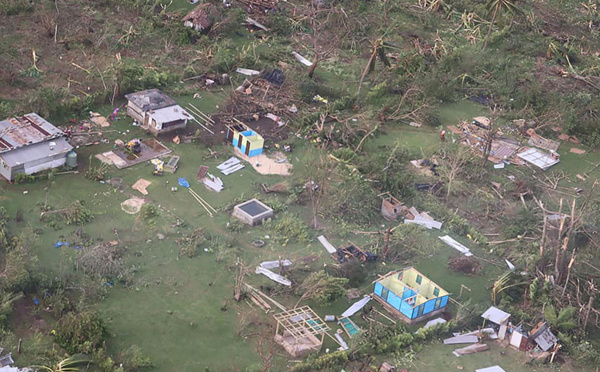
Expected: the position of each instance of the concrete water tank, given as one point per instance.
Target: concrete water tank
(71, 161)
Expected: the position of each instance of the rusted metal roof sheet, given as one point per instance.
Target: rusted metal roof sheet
(151, 99)
(26, 130)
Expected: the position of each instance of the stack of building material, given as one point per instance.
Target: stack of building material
(213, 182)
(461, 339)
(456, 245)
(232, 165)
(264, 268)
(330, 248)
(471, 349)
(422, 219)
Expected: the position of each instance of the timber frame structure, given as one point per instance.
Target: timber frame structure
(300, 331)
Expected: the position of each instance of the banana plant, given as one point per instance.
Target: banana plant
(70, 364)
(378, 52)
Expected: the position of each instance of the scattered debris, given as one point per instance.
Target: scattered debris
(386, 367)
(490, 369)
(472, 349)
(232, 165)
(141, 185)
(357, 306)
(539, 158)
(202, 170)
(323, 240)
(302, 60)
(456, 245)
(253, 23)
(510, 265)
(203, 203)
(348, 326)
(213, 182)
(461, 339)
(541, 142)
(499, 166)
(353, 251)
(343, 344)
(414, 124)
(200, 19)
(98, 119)
(433, 322)
(273, 276)
(275, 264)
(247, 72)
(429, 223)
(352, 294)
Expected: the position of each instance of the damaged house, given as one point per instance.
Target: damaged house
(410, 295)
(156, 112)
(30, 144)
(243, 138)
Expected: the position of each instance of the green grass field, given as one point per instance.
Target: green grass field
(173, 311)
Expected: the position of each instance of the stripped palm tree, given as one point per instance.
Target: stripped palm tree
(378, 51)
(495, 7)
(70, 364)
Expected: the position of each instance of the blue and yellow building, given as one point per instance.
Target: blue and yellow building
(410, 295)
(245, 139)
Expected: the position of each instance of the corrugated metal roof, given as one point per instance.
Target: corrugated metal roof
(26, 130)
(36, 151)
(151, 99)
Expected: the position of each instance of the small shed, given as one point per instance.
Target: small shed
(499, 317)
(245, 139)
(410, 295)
(391, 207)
(30, 144)
(156, 112)
(201, 18)
(300, 331)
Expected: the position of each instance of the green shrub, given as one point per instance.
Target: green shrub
(80, 332)
(292, 228)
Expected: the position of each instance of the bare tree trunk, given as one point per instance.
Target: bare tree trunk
(491, 26)
(364, 74)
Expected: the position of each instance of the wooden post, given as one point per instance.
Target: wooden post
(20, 344)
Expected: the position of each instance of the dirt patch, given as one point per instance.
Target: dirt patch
(465, 265)
(26, 316)
(275, 163)
(133, 205)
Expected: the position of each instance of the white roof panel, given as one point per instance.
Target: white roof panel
(495, 315)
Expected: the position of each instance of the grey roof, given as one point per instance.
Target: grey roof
(25, 131)
(151, 99)
(36, 151)
(545, 338)
(169, 114)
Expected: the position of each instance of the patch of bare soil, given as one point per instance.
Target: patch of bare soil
(465, 265)
(133, 205)
(27, 318)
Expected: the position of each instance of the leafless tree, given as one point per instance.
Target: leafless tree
(455, 160)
